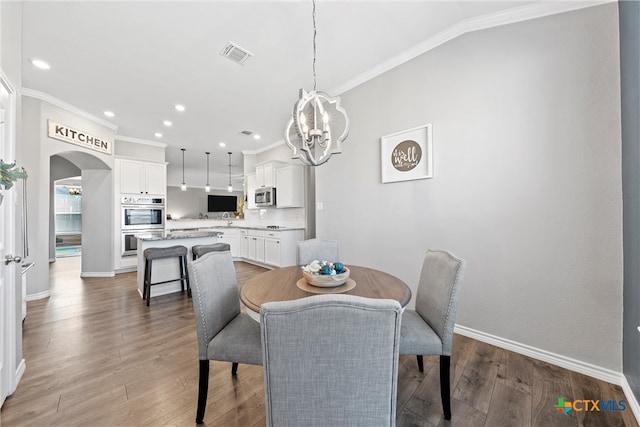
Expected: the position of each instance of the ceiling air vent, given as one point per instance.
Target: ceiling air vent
(236, 53)
(246, 132)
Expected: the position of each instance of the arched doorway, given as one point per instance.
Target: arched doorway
(96, 209)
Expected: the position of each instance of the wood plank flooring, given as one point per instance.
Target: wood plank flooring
(97, 356)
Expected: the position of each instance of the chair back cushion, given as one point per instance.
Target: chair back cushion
(317, 249)
(216, 299)
(330, 360)
(437, 296)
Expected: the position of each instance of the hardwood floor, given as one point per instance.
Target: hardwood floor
(96, 355)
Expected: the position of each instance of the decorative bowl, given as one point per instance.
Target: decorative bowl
(326, 280)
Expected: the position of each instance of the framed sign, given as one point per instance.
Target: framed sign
(407, 155)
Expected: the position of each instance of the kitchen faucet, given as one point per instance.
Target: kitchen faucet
(227, 217)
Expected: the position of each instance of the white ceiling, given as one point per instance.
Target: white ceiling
(138, 59)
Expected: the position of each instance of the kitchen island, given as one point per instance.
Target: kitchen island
(166, 269)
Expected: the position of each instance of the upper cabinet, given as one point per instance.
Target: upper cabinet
(290, 186)
(142, 177)
(265, 175)
(251, 189)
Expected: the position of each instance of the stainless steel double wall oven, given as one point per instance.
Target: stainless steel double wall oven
(140, 215)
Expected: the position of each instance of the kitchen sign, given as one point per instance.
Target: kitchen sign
(407, 155)
(80, 138)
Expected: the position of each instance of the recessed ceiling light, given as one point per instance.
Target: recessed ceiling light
(109, 113)
(179, 107)
(158, 135)
(256, 136)
(40, 64)
(167, 123)
(222, 144)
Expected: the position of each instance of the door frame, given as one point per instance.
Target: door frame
(9, 373)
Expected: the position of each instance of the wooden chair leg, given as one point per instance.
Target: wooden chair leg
(203, 388)
(234, 368)
(445, 390)
(420, 364)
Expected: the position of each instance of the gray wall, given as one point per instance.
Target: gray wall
(630, 84)
(527, 184)
(36, 142)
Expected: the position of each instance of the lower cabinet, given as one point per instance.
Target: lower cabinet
(271, 248)
(231, 237)
(272, 251)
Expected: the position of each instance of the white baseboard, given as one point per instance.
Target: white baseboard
(39, 295)
(585, 368)
(126, 269)
(98, 274)
(19, 372)
(631, 398)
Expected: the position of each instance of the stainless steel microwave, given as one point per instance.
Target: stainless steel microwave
(265, 196)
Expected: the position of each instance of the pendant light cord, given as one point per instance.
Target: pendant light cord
(182, 165)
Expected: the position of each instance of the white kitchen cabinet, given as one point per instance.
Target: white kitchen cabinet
(233, 238)
(272, 248)
(143, 178)
(290, 187)
(251, 190)
(265, 175)
(259, 248)
(272, 251)
(244, 243)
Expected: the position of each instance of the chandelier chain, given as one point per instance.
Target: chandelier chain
(314, 45)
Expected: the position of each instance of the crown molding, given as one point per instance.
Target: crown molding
(66, 106)
(140, 141)
(263, 149)
(496, 19)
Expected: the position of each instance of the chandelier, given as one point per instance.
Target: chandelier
(319, 124)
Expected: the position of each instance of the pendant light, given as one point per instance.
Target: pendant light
(207, 188)
(183, 186)
(316, 120)
(230, 187)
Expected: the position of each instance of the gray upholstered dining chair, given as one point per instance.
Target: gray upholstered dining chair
(324, 365)
(317, 249)
(428, 330)
(224, 333)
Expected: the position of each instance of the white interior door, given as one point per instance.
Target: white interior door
(8, 271)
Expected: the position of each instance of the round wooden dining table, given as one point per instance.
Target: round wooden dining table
(280, 284)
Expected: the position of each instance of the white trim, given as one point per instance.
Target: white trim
(140, 141)
(22, 366)
(631, 398)
(97, 274)
(39, 295)
(491, 20)
(263, 149)
(138, 159)
(66, 106)
(546, 356)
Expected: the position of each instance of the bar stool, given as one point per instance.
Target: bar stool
(150, 254)
(199, 250)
